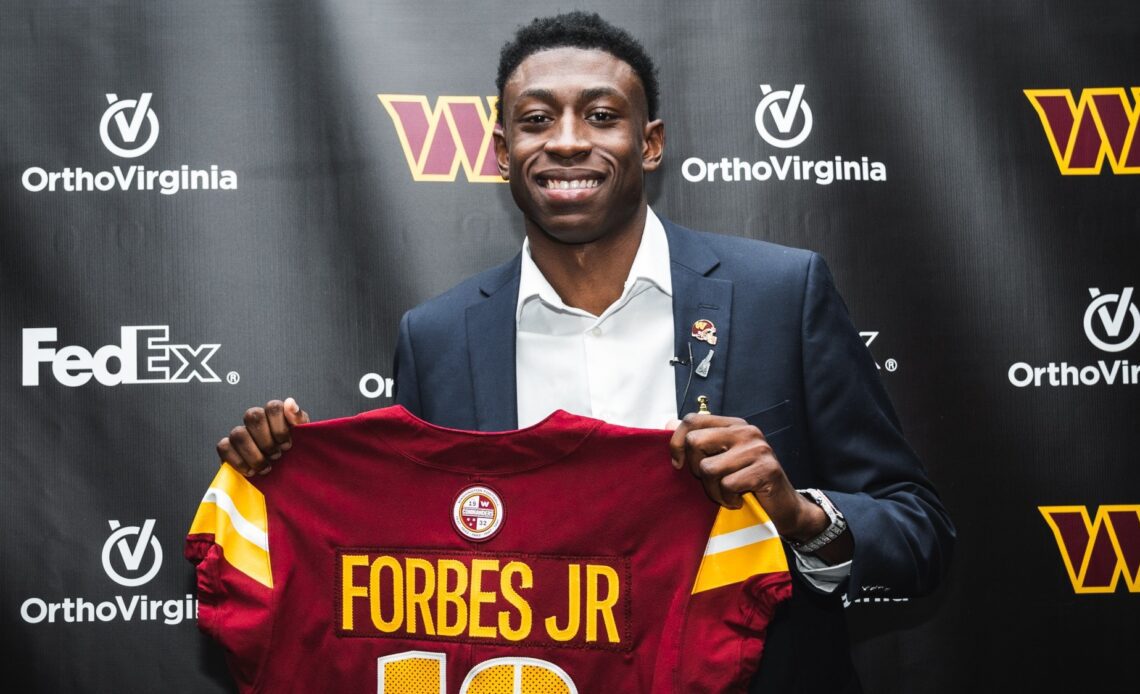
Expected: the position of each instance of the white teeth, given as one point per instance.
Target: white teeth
(571, 185)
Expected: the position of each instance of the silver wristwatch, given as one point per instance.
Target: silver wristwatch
(833, 530)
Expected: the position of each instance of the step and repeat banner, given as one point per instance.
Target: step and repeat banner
(207, 205)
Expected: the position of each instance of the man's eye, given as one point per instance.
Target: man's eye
(601, 116)
(535, 118)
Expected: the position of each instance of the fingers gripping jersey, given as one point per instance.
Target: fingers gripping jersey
(385, 554)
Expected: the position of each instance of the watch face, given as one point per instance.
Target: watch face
(823, 502)
(834, 529)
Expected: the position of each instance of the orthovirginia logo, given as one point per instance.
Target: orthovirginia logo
(131, 557)
(373, 385)
(129, 129)
(455, 133)
(130, 118)
(1098, 552)
(1082, 133)
(131, 572)
(1115, 338)
(1112, 324)
(784, 120)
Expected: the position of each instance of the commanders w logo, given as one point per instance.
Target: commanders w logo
(1081, 133)
(457, 132)
(1098, 552)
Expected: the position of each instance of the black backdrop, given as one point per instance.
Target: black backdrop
(283, 217)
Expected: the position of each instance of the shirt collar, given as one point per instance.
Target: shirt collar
(650, 264)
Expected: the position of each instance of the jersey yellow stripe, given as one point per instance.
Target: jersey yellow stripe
(730, 520)
(726, 561)
(240, 553)
(234, 512)
(248, 499)
(740, 564)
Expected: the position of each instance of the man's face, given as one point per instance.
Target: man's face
(576, 143)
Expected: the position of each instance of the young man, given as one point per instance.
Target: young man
(612, 312)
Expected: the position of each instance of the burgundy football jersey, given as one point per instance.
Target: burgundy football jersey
(388, 554)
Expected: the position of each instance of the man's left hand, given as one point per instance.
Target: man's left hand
(731, 458)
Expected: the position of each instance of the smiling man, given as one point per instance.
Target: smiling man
(613, 312)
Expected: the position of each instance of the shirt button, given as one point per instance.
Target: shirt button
(595, 332)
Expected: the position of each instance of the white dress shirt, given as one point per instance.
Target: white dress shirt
(615, 366)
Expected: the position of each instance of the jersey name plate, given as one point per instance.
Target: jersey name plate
(505, 598)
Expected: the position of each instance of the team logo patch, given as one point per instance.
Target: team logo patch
(477, 513)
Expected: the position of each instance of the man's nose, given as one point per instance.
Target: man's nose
(568, 140)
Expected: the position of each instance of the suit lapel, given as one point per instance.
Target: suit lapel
(491, 349)
(698, 296)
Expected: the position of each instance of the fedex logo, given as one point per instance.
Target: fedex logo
(438, 140)
(144, 354)
(1083, 132)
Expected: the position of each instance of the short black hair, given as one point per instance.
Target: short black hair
(578, 30)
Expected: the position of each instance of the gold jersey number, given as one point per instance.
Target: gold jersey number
(423, 672)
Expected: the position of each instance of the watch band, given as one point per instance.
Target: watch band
(833, 530)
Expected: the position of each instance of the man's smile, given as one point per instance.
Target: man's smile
(572, 184)
(569, 185)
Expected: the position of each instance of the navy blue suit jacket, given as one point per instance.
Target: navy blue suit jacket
(788, 360)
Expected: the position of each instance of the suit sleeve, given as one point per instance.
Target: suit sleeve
(903, 534)
(404, 369)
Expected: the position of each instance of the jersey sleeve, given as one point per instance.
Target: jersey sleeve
(743, 576)
(228, 543)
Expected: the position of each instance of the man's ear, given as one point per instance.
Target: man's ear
(502, 156)
(653, 145)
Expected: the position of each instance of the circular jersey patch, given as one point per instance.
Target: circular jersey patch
(478, 513)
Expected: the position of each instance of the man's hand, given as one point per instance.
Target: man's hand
(731, 458)
(266, 434)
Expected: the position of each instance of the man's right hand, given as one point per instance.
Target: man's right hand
(266, 434)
